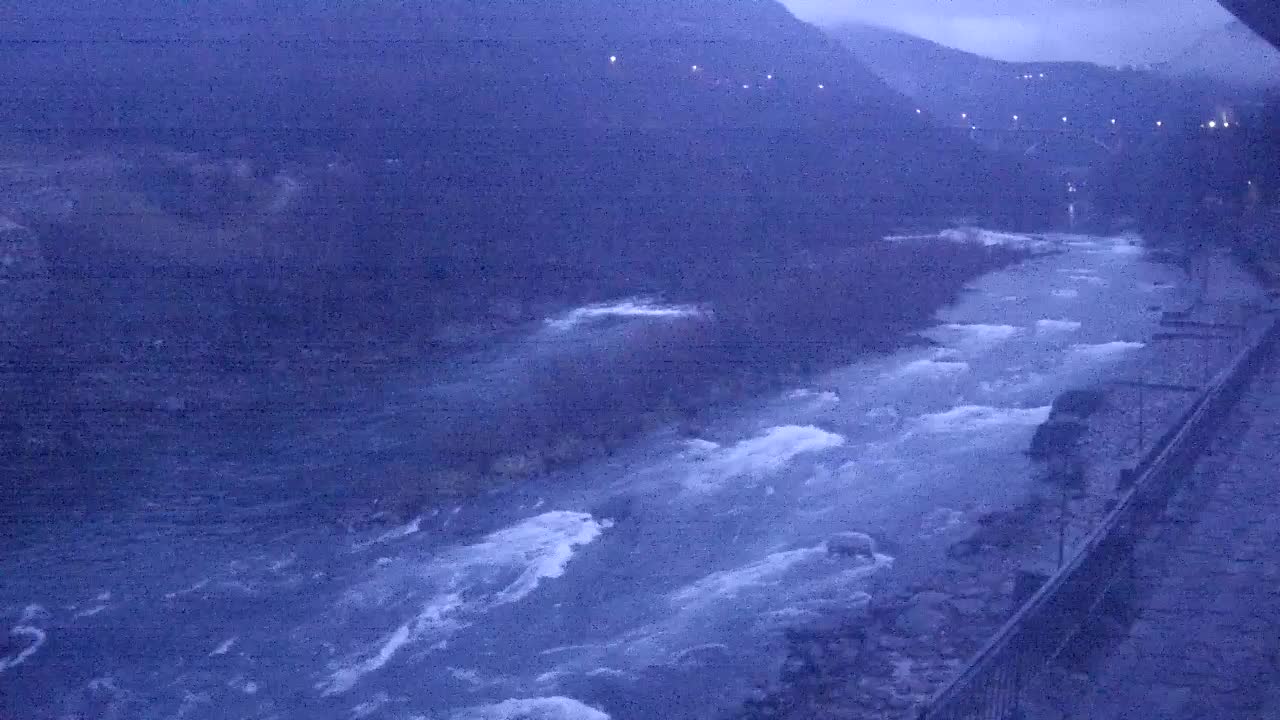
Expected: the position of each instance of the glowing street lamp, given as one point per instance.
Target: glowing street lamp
(918, 111)
(821, 86)
(964, 116)
(769, 76)
(613, 59)
(1015, 118)
(1159, 123)
(1064, 118)
(695, 68)
(1213, 124)
(1113, 121)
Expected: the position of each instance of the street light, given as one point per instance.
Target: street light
(821, 86)
(613, 58)
(1159, 123)
(1213, 124)
(1113, 121)
(1064, 118)
(695, 68)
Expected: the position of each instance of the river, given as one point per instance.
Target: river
(652, 583)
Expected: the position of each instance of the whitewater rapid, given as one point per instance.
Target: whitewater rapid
(654, 583)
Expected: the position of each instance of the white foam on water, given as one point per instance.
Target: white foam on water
(973, 337)
(992, 238)
(541, 708)
(727, 585)
(925, 368)
(629, 308)
(822, 397)
(197, 586)
(1066, 293)
(224, 647)
(370, 706)
(395, 533)
(37, 637)
(980, 418)
(1088, 279)
(769, 452)
(1057, 326)
(90, 612)
(503, 568)
(1104, 351)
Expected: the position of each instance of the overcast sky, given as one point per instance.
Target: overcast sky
(1104, 31)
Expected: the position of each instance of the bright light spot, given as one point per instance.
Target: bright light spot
(1041, 74)
(918, 111)
(1015, 117)
(1064, 118)
(695, 68)
(613, 58)
(1213, 124)
(746, 87)
(821, 86)
(964, 116)
(1159, 123)
(1113, 121)
(769, 76)
(1226, 124)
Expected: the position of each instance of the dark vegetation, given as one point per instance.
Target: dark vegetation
(301, 197)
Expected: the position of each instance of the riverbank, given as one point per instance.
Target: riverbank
(167, 311)
(909, 638)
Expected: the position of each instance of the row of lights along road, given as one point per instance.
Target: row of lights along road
(1212, 124)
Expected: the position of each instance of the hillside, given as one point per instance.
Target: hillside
(1233, 55)
(949, 83)
(486, 137)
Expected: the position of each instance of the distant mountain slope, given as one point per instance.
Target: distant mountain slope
(951, 83)
(584, 131)
(1233, 54)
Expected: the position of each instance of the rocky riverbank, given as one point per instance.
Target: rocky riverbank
(890, 654)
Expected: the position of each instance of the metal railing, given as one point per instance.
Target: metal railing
(990, 688)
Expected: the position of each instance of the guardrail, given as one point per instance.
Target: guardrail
(990, 688)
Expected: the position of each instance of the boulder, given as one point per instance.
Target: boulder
(852, 545)
(1055, 437)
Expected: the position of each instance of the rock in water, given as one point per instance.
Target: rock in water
(852, 544)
